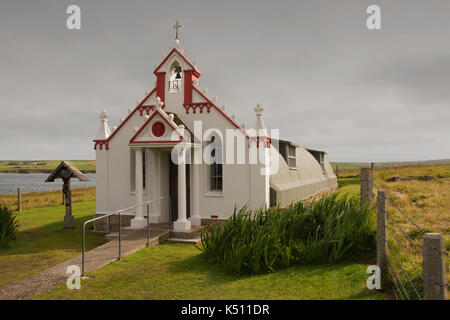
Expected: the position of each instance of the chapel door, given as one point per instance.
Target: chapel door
(173, 191)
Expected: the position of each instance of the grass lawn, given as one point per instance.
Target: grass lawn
(34, 200)
(179, 271)
(43, 242)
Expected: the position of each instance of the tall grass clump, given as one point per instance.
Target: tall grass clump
(319, 232)
(8, 226)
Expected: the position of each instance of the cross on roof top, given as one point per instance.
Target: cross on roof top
(176, 26)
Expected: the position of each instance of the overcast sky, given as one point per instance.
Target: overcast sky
(322, 77)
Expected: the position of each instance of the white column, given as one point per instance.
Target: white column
(139, 221)
(182, 223)
(195, 218)
(155, 186)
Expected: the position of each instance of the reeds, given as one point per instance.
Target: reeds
(318, 232)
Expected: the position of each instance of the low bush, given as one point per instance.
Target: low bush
(8, 226)
(318, 232)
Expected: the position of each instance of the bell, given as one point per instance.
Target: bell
(178, 76)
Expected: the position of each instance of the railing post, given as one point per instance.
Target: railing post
(82, 249)
(148, 225)
(365, 185)
(19, 199)
(434, 277)
(381, 234)
(120, 236)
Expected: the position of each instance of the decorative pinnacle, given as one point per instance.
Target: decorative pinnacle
(259, 110)
(159, 103)
(103, 116)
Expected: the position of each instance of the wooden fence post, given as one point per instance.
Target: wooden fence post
(371, 180)
(434, 277)
(365, 185)
(381, 234)
(19, 199)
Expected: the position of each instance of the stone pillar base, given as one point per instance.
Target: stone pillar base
(196, 221)
(138, 223)
(155, 219)
(182, 225)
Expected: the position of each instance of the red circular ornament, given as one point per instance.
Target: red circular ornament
(158, 129)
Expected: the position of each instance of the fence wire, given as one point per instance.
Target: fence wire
(405, 273)
(397, 284)
(394, 228)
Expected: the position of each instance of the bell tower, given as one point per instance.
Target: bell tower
(175, 76)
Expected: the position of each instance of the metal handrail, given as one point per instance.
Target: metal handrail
(147, 203)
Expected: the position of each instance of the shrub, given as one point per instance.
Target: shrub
(8, 226)
(323, 231)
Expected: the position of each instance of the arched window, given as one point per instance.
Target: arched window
(176, 77)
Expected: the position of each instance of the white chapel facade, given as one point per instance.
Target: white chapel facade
(157, 152)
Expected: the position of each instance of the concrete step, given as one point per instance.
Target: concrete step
(186, 241)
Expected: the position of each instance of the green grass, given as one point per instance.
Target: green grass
(329, 230)
(350, 186)
(177, 271)
(45, 166)
(42, 241)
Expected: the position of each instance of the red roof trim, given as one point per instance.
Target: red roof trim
(197, 73)
(148, 121)
(220, 110)
(161, 141)
(128, 117)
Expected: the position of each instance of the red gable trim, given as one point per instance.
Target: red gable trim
(125, 120)
(148, 121)
(197, 73)
(219, 109)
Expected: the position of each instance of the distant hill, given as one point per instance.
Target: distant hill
(357, 165)
(42, 166)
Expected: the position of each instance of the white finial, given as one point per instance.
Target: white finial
(135, 129)
(196, 82)
(120, 120)
(224, 107)
(259, 110)
(259, 124)
(129, 110)
(233, 116)
(214, 99)
(205, 90)
(103, 131)
(146, 116)
(244, 125)
(177, 45)
(103, 116)
(194, 63)
(114, 128)
(159, 103)
(171, 116)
